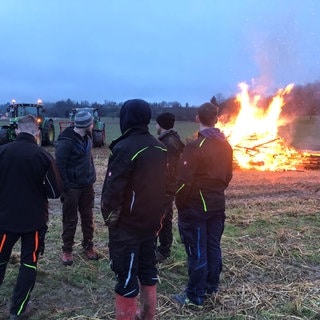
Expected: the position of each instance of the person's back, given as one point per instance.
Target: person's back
(28, 177)
(210, 159)
(205, 170)
(24, 166)
(145, 159)
(170, 138)
(174, 145)
(132, 206)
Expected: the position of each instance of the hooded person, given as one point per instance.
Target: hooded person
(132, 207)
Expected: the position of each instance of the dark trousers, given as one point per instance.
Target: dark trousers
(75, 200)
(165, 233)
(132, 259)
(202, 244)
(32, 243)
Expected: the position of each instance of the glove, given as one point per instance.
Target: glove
(111, 218)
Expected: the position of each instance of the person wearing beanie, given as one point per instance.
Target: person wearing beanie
(75, 162)
(166, 120)
(171, 139)
(204, 172)
(132, 206)
(83, 119)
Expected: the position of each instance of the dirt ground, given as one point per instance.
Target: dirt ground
(270, 251)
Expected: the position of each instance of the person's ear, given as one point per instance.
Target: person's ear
(197, 119)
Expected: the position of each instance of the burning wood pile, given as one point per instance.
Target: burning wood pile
(275, 152)
(253, 134)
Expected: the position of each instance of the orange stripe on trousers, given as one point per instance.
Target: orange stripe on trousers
(36, 245)
(4, 237)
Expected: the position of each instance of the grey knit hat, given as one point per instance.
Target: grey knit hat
(83, 119)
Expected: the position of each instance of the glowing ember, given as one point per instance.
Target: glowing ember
(253, 133)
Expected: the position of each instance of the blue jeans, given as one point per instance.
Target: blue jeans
(202, 239)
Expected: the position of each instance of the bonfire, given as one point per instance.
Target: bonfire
(253, 134)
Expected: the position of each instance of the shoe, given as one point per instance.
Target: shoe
(24, 315)
(67, 259)
(184, 301)
(160, 257)
(91, 254)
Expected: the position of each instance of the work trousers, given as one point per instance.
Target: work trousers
(32, 243)
(132, 259)
(74, 200)
(202, 244)
(165, 233)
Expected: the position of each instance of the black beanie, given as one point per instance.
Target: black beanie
(166, 120)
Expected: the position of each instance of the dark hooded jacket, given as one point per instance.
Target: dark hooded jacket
(204, 172)
(74, 159)
(174, 145)
(135, 180)
(28, 177)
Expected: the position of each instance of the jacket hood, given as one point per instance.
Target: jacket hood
(134, 113)
(213, 133)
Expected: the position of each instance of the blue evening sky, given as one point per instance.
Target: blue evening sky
(158, 50)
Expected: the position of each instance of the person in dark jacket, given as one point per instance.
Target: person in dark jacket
(132, 207)
(28, 177)
(204, 172)
(75, 162)
(171, 139)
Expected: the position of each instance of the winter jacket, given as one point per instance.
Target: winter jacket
(74, 159)
(28, 177)
(134, 184)
(204, 172)
(174, 145)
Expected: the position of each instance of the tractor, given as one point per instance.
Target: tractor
(98, 131)
(16, 111)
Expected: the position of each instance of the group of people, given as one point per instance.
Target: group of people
(145, 177)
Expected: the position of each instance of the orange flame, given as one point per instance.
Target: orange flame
(253, 134)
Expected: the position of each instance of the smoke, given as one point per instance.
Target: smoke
(276, 52)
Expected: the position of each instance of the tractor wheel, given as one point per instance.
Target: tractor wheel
(48, 134)
(97, 138)
(39, 139)
(103, 135)
(3, 136)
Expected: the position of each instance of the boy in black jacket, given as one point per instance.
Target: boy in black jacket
(170, 138)
(204, 173)
(132, 207)
(29, 177)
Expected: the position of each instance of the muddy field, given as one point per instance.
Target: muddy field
(270, 250)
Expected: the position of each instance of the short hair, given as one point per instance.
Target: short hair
(28, 124)
(208, 113)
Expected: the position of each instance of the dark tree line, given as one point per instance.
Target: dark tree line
(301, 101)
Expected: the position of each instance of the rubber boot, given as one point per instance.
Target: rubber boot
(148, 303)
(126, 308)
